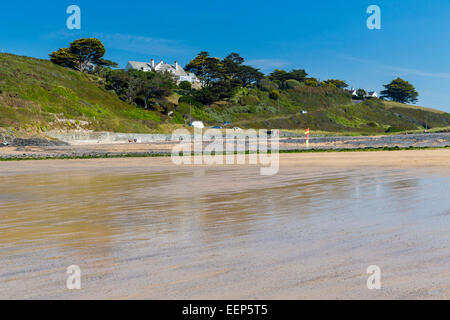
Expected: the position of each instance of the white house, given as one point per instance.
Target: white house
(372, 94)
(353, 92)
(175, 69)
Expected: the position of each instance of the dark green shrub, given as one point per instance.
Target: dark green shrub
(274, 95)
(190, 100)
(291, 84)
(392, 129)
(185, 85)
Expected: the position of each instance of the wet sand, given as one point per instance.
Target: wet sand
(143, 228)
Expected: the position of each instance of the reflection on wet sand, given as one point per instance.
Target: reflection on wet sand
(147, 229)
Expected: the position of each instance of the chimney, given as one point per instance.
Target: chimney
(176, 64)
(153, 63)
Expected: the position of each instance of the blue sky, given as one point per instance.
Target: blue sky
(329, 39)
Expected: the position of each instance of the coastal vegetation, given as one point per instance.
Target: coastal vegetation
(401, 91)
(79, 90)
(82, 55)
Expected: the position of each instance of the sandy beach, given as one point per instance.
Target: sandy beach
(426, 158)
(102, 148)
(143, 228)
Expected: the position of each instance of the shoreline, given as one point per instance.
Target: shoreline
(423, 159)
(75, 149)
(166, 154)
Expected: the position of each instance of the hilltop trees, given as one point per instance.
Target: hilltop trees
(311, 82)
(221, 77)
(232, 65)
(296, 77)
(248, 75)
(82, 55)
(400, 90)
(64, 58)
(232, 69)
(282, 75)
(341, 84)
(211, 71)
(206, 68)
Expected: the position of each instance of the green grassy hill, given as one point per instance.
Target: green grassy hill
(328, 110)
(36, 96)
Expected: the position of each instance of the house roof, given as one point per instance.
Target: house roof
(174, 69)
(140, 65)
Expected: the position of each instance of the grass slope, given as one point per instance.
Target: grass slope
(329, 110)
(36, 95)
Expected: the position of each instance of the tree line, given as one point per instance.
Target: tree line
(220, 78)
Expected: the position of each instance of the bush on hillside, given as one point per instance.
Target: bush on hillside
(185, 85)
(291, 84)
(393, 129)
(190, 100)
(311, 82)
(249, 100)
(267, 85)
(278, 83)
(274, 95)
